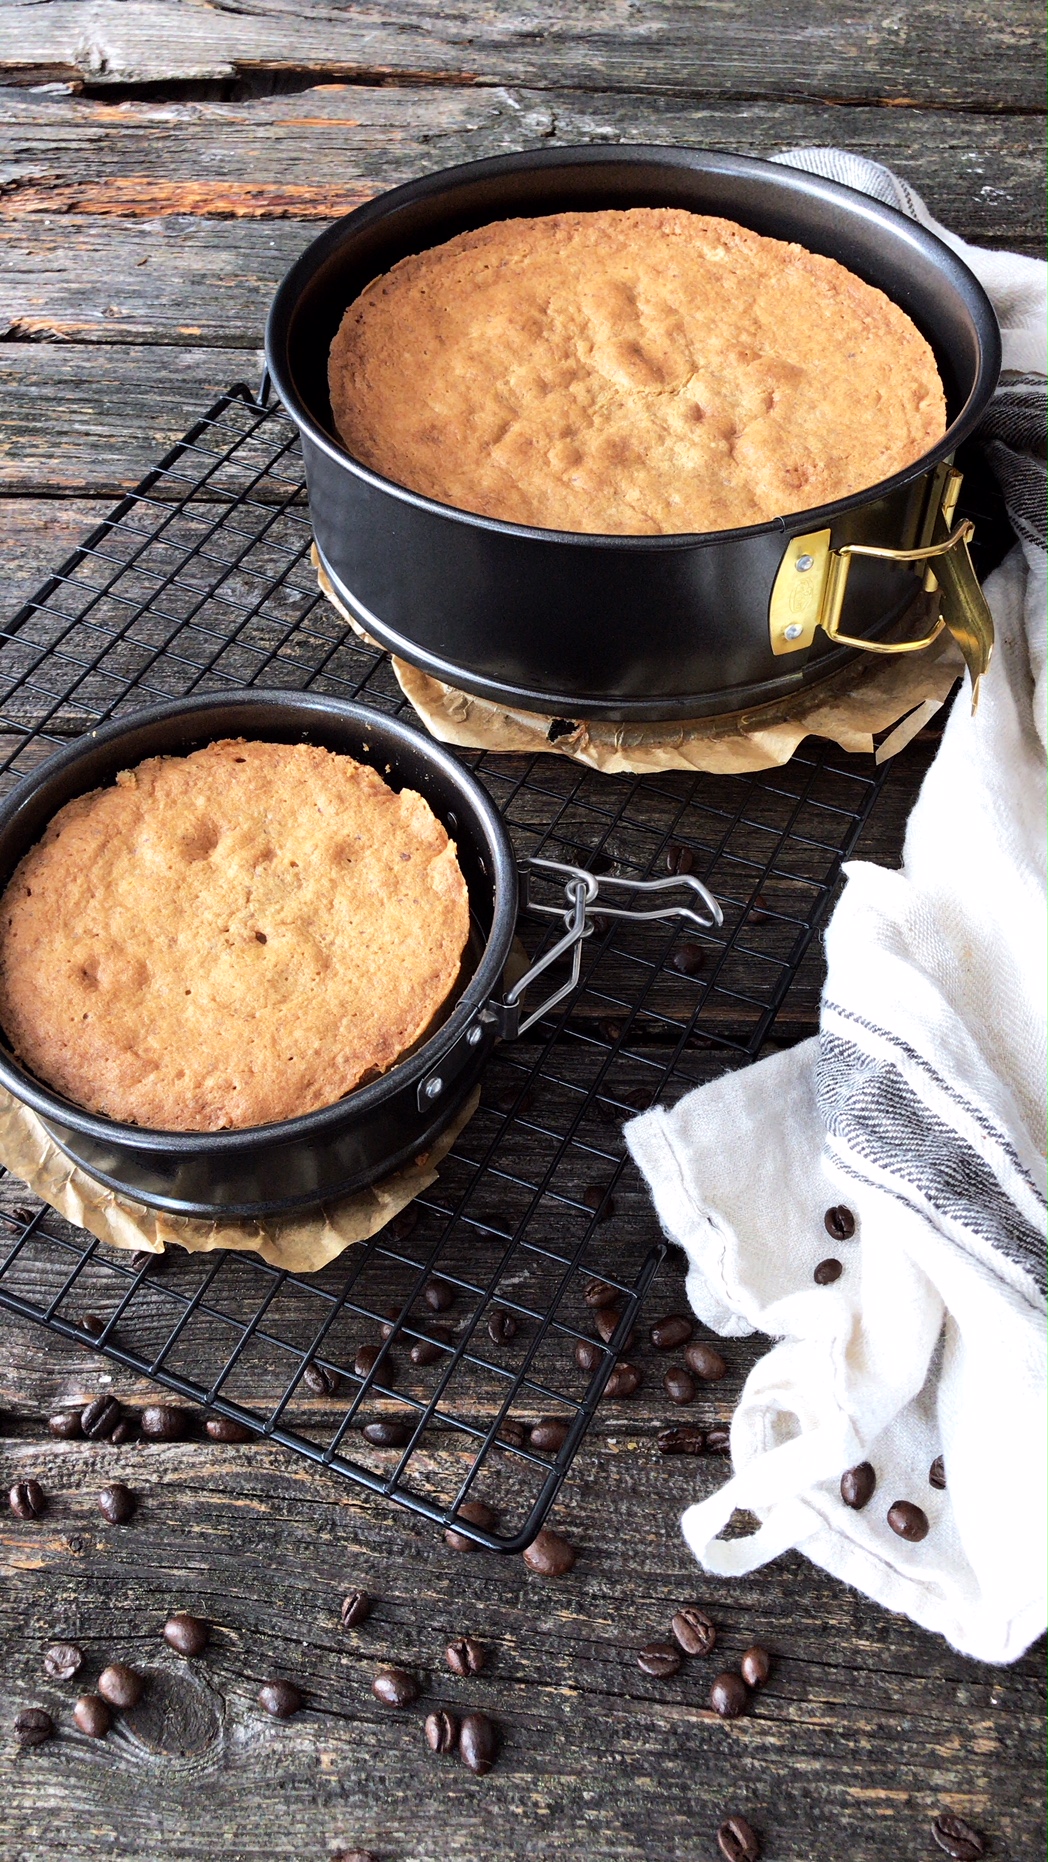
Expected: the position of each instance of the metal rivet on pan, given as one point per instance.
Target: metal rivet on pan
(805, 562)
(793, 631)
(473, 1036)
(434, 1087)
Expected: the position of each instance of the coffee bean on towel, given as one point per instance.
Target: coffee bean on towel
(394, 1687)
(187, 1634)
(908, 1521)
(598, 1293)
(549, 1555)
(685, 1439)
(435, 1345)
(502, 1326)
(120, 1685)
(672, 1331)
(588, 1354)
(33, 1726)
(839, 1223)
(549, 1435)
(625, 1380)
(100, 1418)
(280, 1698)
(755, 1666)
(65, 1425)
(117, 1503)
(857, 1485)
(689, 958)
(680, 1385)
(356, 1608)
(476, 1513)
(163, 1422)
(706, 1362)
(92, 1716)
(387, 1432)
(438, 1295)
(320, 1380)
(478, 1743)
(27, 1499)
(958, 1838)
(679, 859)
(596, 1198)
(224, 1429)
(827, 1272)
(62, 1660)
(728, 1696)
(442, 1732)
(659, 1659)
(937, 1474)
(718, 1441)
(606, 1320)
(737, 1840)
(464, 1656)
(692, 1630)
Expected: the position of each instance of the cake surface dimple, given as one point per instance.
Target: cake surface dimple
(229, 938)
(648, 371)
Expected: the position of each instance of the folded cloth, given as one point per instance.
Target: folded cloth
(919, 1108)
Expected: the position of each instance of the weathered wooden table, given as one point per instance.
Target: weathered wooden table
(160, 164)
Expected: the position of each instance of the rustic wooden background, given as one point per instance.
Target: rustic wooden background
(161, 162)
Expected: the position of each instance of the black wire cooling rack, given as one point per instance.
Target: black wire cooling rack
(201, 580)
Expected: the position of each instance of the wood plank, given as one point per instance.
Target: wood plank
(932, 53)
(35, 535)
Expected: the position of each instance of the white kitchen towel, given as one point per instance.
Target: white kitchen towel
(920, 1107)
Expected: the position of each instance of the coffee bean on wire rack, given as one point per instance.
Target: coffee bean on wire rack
(839, 1223)
(442, 1732)
(685, 1439)
(858, 1485)
(33, 1726)
(367, 1358)
(478, 1743)
(827, 1272)
(92, 1325)
(438, 1295)
(689, 958)
(588, 1354)
(625, 1380)
(280, 1698)
(320, 1380)
(394, 1687)
(705, 1362)
(606, 1320)
(65, 1424)
(187, 1634)
(598, 1293)
(737, 1840)
(120, 1685)
(356, 1608)
(511, 1434)
(100, 1418)
(549, 1555)
(27, 1499)
(659, 1659)
(476, 1513)
(387, 1432)
(502, 1326)
(62, 1660)
(908, 1521)
(958, 1838)
(164, 1422)
(692, 1630)
(435, 1345)
(393, 1313)
(549, 1435)
(224, 1429)
(672, 1331)
(465, 1656)
(679, 859)
(92, 1716)
(596, 1198)
(728, 1696)
(937, 1474)
(759, 909)
(755, 1666)
(117, 1503)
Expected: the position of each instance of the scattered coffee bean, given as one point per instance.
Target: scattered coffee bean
(659, 1659)
(125, 1431)
(465, 1657)
(612, 1031)
(224, 1429)
(685, 1439)
(394, 1687)
(624, 1381)
(689, 958)
(512, 1434)
(606, 1319)
(435, 1345)
(162, 1422)
(598, 1293)
(477, 1514)
(958, 1838)
(117, 1503)
(400, 1226)
(588, 1354)
(759, 909)
(92, 1324)
(549, 1555)
(393, 1313)
(367, 1358)
(858, 1485)
(728, 1696)
(33, 1726)
(280, 1698)
(937, 1474)
(839, 1223)
(827, 1272)
(92, 1716)
(65, 1425)
(680, 1385)
(320, 1380)
(186, 1634)
(478, 1743)
(356, 1608)
(679, 859)
(706, 1362)
(549, 1435)
(120, 1685)
(388, 1432)
(100, 1418)
(718, 1441)
(755, 1666)
(27, 1500)
(438, 1295)
(737, 1840)
(692, 1630)
(908, 1521)
(143, 1257)
(672, 1331)
(353, 1855)
(596, 1198)
(442, 1732)
(62, 1660)
(502, 1326)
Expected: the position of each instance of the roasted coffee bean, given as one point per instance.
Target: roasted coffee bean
(117, 1503)
(689, 958)
(162, 1422)
(224, 1429)
(755, 1666)
(62, 1660)
(937, 1474)
(511, 1434)
(659, 1659)
(400, 1226)
(478, 1743)
(394, 1687)
(858, 1485)
(442, 1732)
(674, 1330)
(186, 1634)
(100, 1418)
(387, 1432)
(839, 1223)
(598, 1293)
(465, 1657)
(393, 1313)
(435, 1345)
(125, 1431)
(680, 1385)
(92, 1324)
(33, 1726)
(549, 1435)
(280, 1698)
(718, 1441)
(320, 1380)
(693, 1630)
(65, 1424)
(502, 1326)
(705, 1362)
(728, 1696)
(759, 909)
(685, 1439)
(549, 1555)
(477, 1514)
(606, 1320)
(625, 1380)
(27, 1500)
(356, 1608)
(908, 1521)
(612, 1031)
(120, 1685)
(367, 1358)
(596, 1198)
(737, 1840)
(588, 1354)
(958, 1838)
(679, 859)
(353, 1855)
(143, 1257)
(438, 1295)
(92, 1716)
(827, 1272)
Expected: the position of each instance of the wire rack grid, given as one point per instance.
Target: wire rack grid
(418, 1364)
